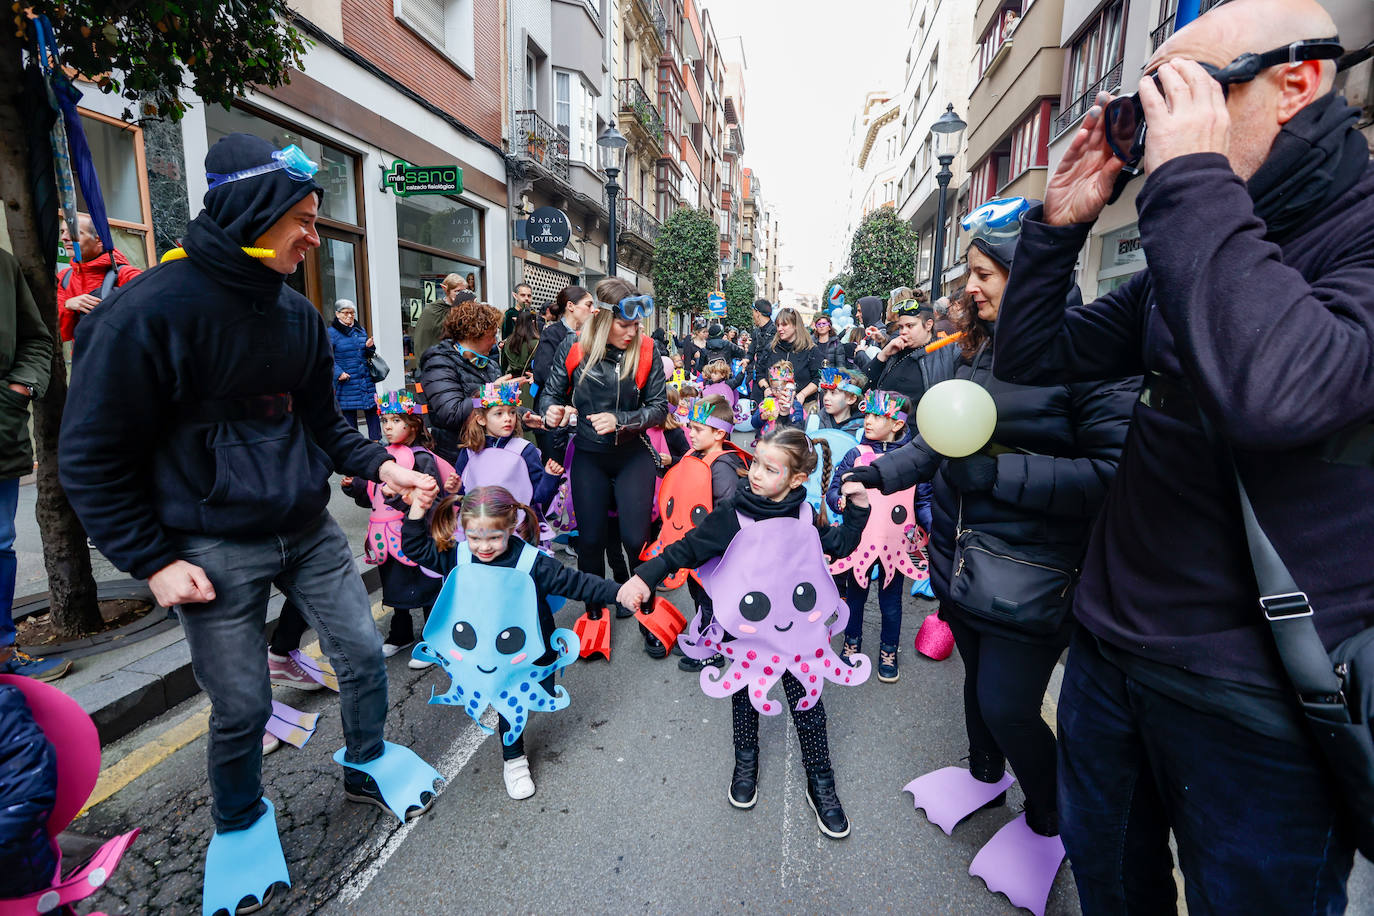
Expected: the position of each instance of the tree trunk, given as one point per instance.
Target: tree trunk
(65, 554)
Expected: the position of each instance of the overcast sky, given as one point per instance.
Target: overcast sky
(809, 65)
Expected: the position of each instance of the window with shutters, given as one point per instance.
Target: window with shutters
(447, 25)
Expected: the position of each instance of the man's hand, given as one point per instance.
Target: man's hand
(553, 468)
(83, 303)
(17, 388)
(421, 500)
(865, 476)
(180, 582)
(346, 483)
(603, 423)
(1083, 181)
(555, 416)
(1190, 116)
(852, 491)
(405, 482)
(633, 593)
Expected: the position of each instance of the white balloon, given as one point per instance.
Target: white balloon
(956, 417)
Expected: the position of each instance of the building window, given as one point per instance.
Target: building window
(562, 102)
(447, 25)
(999, 32)
(932, 73)
(1097, 51)
(1030, 141)
(436, 236)
(117, 152)
(338, 268)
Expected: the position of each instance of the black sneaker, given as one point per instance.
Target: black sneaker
(652, 647)
(691, 664)
(744, 783)
(887, 664)
(820, 795)
(363, 789)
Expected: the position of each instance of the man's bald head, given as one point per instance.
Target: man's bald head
(1259, 108)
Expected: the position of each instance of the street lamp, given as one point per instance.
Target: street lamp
(949, 138)
(612, 145)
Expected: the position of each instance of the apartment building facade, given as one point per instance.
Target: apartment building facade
(874, 154)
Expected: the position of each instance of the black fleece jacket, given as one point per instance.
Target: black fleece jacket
(717, 530)
(137, 463)
(601, 390)
(1275, 338)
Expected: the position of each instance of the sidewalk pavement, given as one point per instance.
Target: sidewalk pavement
(126, 687)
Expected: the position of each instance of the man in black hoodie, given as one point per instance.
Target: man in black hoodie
(197, 447)
(1257, 217)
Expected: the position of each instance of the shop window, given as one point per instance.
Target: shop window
(117, 152)
(437, 236)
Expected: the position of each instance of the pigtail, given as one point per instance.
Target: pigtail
(822, 448)
(443, 522)
(528, 527)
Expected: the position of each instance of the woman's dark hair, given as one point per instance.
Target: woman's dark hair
(524, 336)
(566, 295)
(470, 320)
(967, 321)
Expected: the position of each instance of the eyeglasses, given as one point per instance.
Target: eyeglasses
(632, 308)
(291, 159)
(1123, 120)
(996, 221)
(479, 360)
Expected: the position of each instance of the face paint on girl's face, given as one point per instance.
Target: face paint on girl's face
(486, 539)
(839, 404)
(771, 475)
(396, 430)
(500, 421)
(878, 428)
(704, 438)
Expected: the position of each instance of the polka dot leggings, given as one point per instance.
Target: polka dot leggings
(810, 723)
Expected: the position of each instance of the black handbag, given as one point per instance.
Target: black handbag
(1022, 587)
(377, 368)
(1336, 691)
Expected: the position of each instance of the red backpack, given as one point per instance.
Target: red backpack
(646, 361)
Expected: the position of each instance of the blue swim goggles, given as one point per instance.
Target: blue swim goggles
(997, 221)
(292, 160)
(631, 308)
(477, 359)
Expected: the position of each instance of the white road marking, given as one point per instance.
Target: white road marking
(379, 852)
(795, 858)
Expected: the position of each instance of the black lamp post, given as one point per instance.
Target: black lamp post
(949, 137)
(612, 144)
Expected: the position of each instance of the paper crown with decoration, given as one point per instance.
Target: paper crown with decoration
(717, 415)
(834, 378)
(886, 404)
(781, 374)
(498, 394)
(397, 402)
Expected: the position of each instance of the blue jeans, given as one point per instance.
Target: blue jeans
(889, 604)
(1254, 822)
(9, 566)
(314, 568)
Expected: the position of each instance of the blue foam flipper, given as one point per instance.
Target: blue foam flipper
(400, 774)
(920, 588)
(243, 863)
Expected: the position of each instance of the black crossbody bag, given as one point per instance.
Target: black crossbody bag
(1336, 689)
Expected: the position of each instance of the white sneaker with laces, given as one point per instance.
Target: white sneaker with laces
(419, 664)
(517, 775)
(390, 649)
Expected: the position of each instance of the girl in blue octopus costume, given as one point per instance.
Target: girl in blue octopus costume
(405, 585)
(753, 588)
(492, 628)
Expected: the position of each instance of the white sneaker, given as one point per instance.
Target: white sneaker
(419, 664)
(270, 743)
(517, 775)
(390, 649)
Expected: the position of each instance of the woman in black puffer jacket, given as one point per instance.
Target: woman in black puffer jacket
(792, 343)
(1031, 497)
(613, 386)
(830, 348)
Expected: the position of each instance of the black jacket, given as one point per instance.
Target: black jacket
(550, 342)
(805, 366)
(717, 530)
(139, 460)
(831, 353)
(762, 338)
(1274, 335)
(914, 373)
(450, 382)
(600, 390)
(716, 348)
(1066, 441)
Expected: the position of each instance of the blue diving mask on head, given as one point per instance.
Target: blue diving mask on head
(631, 308)
(291, 159)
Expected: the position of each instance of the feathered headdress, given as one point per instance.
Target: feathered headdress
(781, 374)
(398, 402)
(886, 404)
(833, 378)
(705, 414)
(497, 394)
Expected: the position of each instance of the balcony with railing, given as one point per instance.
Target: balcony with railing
(637, 109)
(653, 12)
(1072, 113)
(638, 221)
(540, 142)
(1161, 34)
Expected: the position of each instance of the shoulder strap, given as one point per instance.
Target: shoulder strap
(573, 359)
(464, 553)
(65, 280)
(107, 285)
(527, 557)
(646, 360)
(516, 444)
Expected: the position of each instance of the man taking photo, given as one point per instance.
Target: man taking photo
(1254, 328)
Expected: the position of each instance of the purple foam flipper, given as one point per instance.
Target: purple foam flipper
(1020, 863)
(951, 794)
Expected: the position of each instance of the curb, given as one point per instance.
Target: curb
(145, 688)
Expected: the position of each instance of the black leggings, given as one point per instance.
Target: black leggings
(517, 750)
(291, 626)
(810, 723)
(627, 472)
(1004, 685)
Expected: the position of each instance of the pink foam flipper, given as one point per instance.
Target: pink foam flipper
(1020, 863)
(951, 794)
(935, 639)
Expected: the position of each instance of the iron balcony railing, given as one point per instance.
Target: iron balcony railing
(542, 143)
(636, 219)
(1110, 82)
(653, 11)
(1161, 34)
(635, 101)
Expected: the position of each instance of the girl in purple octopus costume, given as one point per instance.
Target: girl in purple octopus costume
(774, 490)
